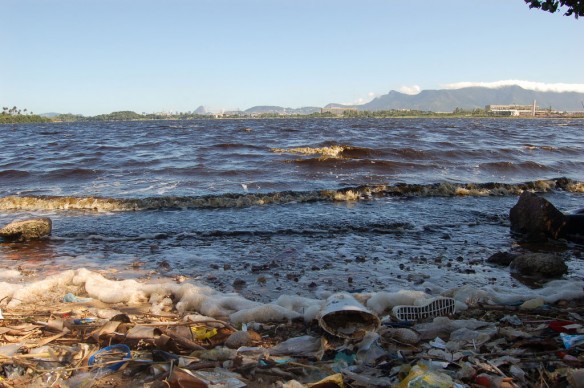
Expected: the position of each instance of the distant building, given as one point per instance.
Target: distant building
(338, 110)
(512, 110)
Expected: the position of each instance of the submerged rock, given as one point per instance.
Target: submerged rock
(539, 264)
(502, 258)
(32, 229)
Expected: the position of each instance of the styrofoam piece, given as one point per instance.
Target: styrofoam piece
(436, 307)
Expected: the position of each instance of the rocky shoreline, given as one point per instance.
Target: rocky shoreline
(180, 334)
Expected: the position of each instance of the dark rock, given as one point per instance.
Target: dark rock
(574, 226)
(239, 283)
(32, 229)
(536, 219)
(539, 264)
(260, 268)
(164, 265)
(360, 259)
(501, 258)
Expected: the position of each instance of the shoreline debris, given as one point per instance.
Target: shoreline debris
(45, 341)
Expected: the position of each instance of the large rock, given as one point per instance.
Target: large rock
(32, 229)
(539, 264)
(536, 219)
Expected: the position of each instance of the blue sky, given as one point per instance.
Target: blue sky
(93, 57)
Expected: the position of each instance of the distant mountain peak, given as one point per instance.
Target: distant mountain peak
(272, 109)
(472, 97)
(201, 110)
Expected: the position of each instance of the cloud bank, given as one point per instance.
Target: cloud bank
(414, 89)
(538, 86)
(363, 100)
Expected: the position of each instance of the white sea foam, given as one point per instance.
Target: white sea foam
(192, 299)
(10, 274)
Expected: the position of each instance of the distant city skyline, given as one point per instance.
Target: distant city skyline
(97, 57)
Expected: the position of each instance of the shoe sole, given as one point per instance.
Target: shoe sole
(438, 307)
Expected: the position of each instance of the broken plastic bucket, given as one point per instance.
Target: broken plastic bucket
(343, 316)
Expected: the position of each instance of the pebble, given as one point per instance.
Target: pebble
(238, 339)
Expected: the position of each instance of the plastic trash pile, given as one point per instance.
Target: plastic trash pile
(83, 342)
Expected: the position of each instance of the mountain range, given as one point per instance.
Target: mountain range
(306, 110)
(447, 100)
(441, 100)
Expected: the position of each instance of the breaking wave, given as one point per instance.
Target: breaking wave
(357, 193)
(333, 151)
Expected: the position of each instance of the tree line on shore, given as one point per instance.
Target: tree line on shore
(15, 115)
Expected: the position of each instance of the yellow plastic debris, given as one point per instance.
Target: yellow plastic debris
(420, 376)
(203, 333)
(329, 381)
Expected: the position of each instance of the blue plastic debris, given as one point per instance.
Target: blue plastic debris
(104, 355)
(70, 298)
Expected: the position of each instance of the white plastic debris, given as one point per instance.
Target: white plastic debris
(436, 307)
(438, 343)
(343, 316)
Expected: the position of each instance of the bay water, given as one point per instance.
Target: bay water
(287, 206)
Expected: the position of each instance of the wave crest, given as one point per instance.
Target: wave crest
(98, 204)
(333, 151)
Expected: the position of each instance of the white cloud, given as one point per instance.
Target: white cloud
(363, 100)
(415, 89)
(538, 86)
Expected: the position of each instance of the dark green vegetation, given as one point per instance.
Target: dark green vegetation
(389, 113)
(574, 7)
(16, 115)
(127, 115)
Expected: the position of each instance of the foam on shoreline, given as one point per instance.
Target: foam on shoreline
(231, 200)
(190, 297)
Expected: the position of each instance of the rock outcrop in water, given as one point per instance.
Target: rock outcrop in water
(536, 219)
(31, 229)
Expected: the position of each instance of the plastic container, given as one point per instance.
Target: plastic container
(343, 316)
